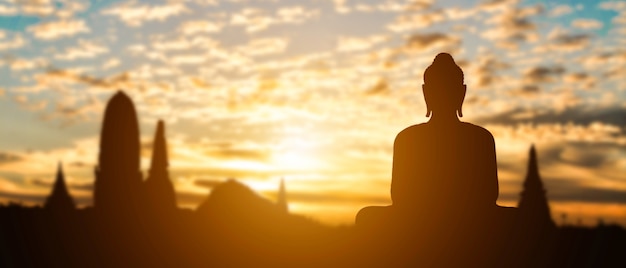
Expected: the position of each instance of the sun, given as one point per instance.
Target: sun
(296, 155)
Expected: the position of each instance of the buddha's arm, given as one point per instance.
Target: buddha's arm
(398, 172)
(490, 176)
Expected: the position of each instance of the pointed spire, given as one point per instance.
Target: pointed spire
(282, 196)
(160, 194)
(59, 198)
(159, 150)
(533, 168)
(534, 203)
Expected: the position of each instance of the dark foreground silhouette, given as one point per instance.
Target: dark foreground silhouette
(445, 168)
(444, 188)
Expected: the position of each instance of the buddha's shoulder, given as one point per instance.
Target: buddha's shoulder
(414, 128)
(472, 127)
(412, 131)
(476, 130)
(424, 129)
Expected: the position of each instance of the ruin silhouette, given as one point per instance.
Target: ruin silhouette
(443, 213)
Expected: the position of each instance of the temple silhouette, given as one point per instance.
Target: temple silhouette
(158, 189)
(136, 222)
(118, 179)
(533, 204)
(59, 199)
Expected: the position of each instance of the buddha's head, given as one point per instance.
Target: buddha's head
(444, 90)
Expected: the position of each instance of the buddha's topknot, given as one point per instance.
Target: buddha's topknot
(443, 69)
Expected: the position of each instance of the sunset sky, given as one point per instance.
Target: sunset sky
(314, 92)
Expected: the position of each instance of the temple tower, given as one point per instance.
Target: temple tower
(533, 205)
(59, 199)
(118, 177)
(160, 194)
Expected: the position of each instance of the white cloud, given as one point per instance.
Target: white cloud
(295, 14)
(341, 6)
(133, 14)
(408, 22)
(17, 42)
(587, 24)
(85, 49)
(348, 44)
(71, 7)
(512, 25)
(162, 43)
(410, 6)
(613, 5)
(38, 8)
(561, 10)
(200, 26)
(56, 29)
(561, 40)
(111, 63)
(188, 59)
(428, 41)
(26, 64)
(8, 10)
(43, 8)
(264, 46)
(456, 13)
(255, 20)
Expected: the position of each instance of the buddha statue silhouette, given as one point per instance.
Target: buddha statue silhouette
(443, 170)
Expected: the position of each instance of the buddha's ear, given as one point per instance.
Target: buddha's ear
(460, 109)
(428, 110)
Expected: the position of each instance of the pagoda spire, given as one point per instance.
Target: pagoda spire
(59, 198)
(159, 189)
(159, 161)
(118, 175)
(282, 196)
(533, 204)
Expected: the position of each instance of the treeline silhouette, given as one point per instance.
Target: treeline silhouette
(136, 223)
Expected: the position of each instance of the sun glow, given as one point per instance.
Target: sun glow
(296, 154)
(246, 165)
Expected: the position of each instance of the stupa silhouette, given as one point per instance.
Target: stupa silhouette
(59, 199)
(160, 194)
(533, 204)
(118, 178)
